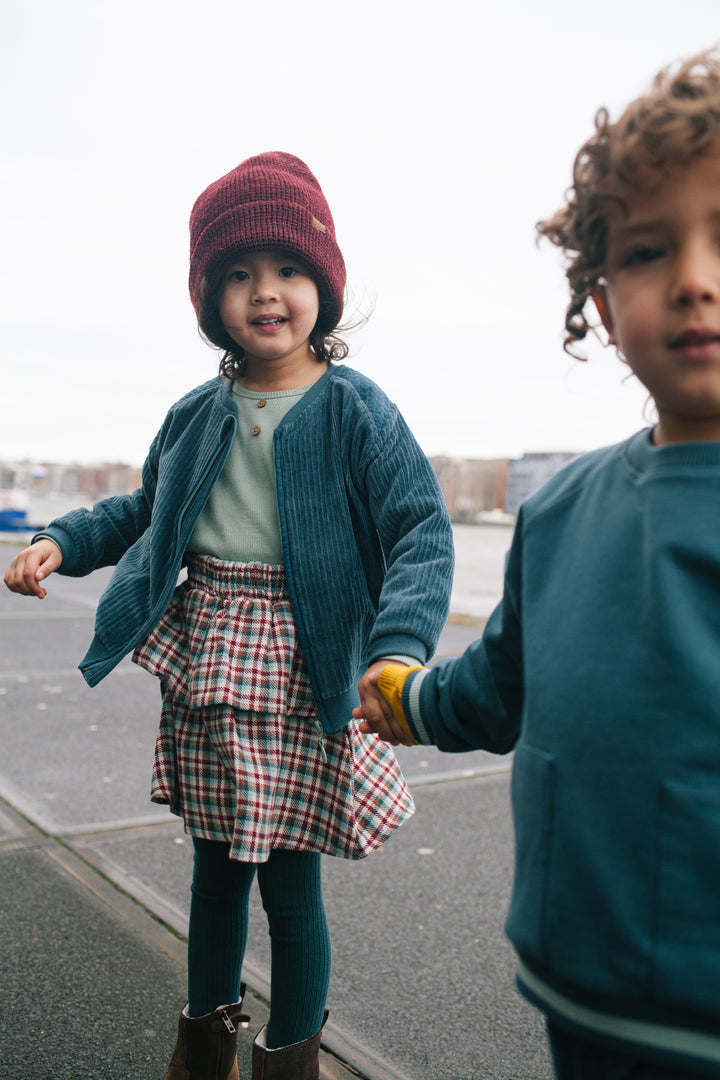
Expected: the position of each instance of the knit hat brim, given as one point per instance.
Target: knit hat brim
(296, 231)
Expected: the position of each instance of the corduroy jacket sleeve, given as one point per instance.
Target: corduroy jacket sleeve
(99, 537)
(415, 535)
(366, 536)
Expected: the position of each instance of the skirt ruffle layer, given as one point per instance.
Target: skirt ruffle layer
(241, 755)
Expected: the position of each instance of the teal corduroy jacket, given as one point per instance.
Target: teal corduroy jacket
(366, 537)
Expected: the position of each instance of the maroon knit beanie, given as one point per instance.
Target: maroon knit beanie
(269, 202)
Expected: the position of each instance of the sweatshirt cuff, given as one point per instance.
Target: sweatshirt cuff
(391, 681)
(400, 686)
(411, 707)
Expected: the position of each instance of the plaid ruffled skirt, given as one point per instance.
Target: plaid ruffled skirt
(241, 755)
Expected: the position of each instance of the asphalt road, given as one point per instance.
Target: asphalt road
(423, 978)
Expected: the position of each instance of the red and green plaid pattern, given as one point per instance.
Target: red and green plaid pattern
(238, 754)
(229, 638)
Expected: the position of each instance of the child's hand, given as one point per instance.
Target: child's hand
(31, 566)
(375, 713)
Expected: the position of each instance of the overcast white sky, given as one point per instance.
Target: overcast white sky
(440, 133)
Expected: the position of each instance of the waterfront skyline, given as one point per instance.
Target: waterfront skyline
(439, 141)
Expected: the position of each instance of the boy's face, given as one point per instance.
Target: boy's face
(661, 304)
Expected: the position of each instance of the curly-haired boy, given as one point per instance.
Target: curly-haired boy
(601, 664)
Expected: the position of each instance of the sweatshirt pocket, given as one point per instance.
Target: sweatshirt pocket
(533, 796)
(687, 939)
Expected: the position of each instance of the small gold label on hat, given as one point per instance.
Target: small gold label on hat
(318, 225)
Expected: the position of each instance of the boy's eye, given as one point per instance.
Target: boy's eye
(645, 253)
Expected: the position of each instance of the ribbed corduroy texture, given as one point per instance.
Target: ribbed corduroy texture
(269, 202)
(362, 517)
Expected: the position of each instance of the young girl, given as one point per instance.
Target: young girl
(603, 658)
(317, 543)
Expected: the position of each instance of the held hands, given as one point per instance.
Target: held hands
(380, 711)
(31, 566)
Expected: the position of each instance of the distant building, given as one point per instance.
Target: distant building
(476, 490)
(8, 476)
(53, 478)
(528, 473)
(472, 487)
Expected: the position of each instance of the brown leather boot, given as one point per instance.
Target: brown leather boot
(206, 1047)
(299, 1061)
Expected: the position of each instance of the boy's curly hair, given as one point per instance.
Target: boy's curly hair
(326, 344)
(660, 132)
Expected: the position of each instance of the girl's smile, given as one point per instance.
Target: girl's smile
(269, 306)
(269, 322)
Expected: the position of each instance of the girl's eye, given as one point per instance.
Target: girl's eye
(238, 275)
(288, 271)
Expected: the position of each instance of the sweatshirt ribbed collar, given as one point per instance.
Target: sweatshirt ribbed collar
(644, 457)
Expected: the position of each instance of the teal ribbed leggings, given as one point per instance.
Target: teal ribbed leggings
(291, 893)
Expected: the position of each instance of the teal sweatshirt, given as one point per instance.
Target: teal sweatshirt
(601, 666)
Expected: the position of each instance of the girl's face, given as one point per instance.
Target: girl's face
(661, 304)
(269, 305)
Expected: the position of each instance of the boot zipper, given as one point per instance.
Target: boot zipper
(227, 1021)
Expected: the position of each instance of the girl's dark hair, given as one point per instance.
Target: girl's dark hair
(658, 134)
(324, 340)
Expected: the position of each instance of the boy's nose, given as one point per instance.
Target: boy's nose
(698, 276)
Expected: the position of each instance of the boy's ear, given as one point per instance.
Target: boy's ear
(600, 301)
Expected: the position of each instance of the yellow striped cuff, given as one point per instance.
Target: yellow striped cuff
(390, 683)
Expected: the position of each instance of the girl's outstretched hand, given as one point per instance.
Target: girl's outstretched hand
(31, 566)
(375, 713)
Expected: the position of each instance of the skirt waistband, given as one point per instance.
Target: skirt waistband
(228, 637)
(227, 579)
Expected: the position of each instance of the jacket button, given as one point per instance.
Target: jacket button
(261, 403)
(256, 430)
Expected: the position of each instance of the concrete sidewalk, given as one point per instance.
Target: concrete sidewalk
(94, 891)
(92, 961)
(91, 981)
